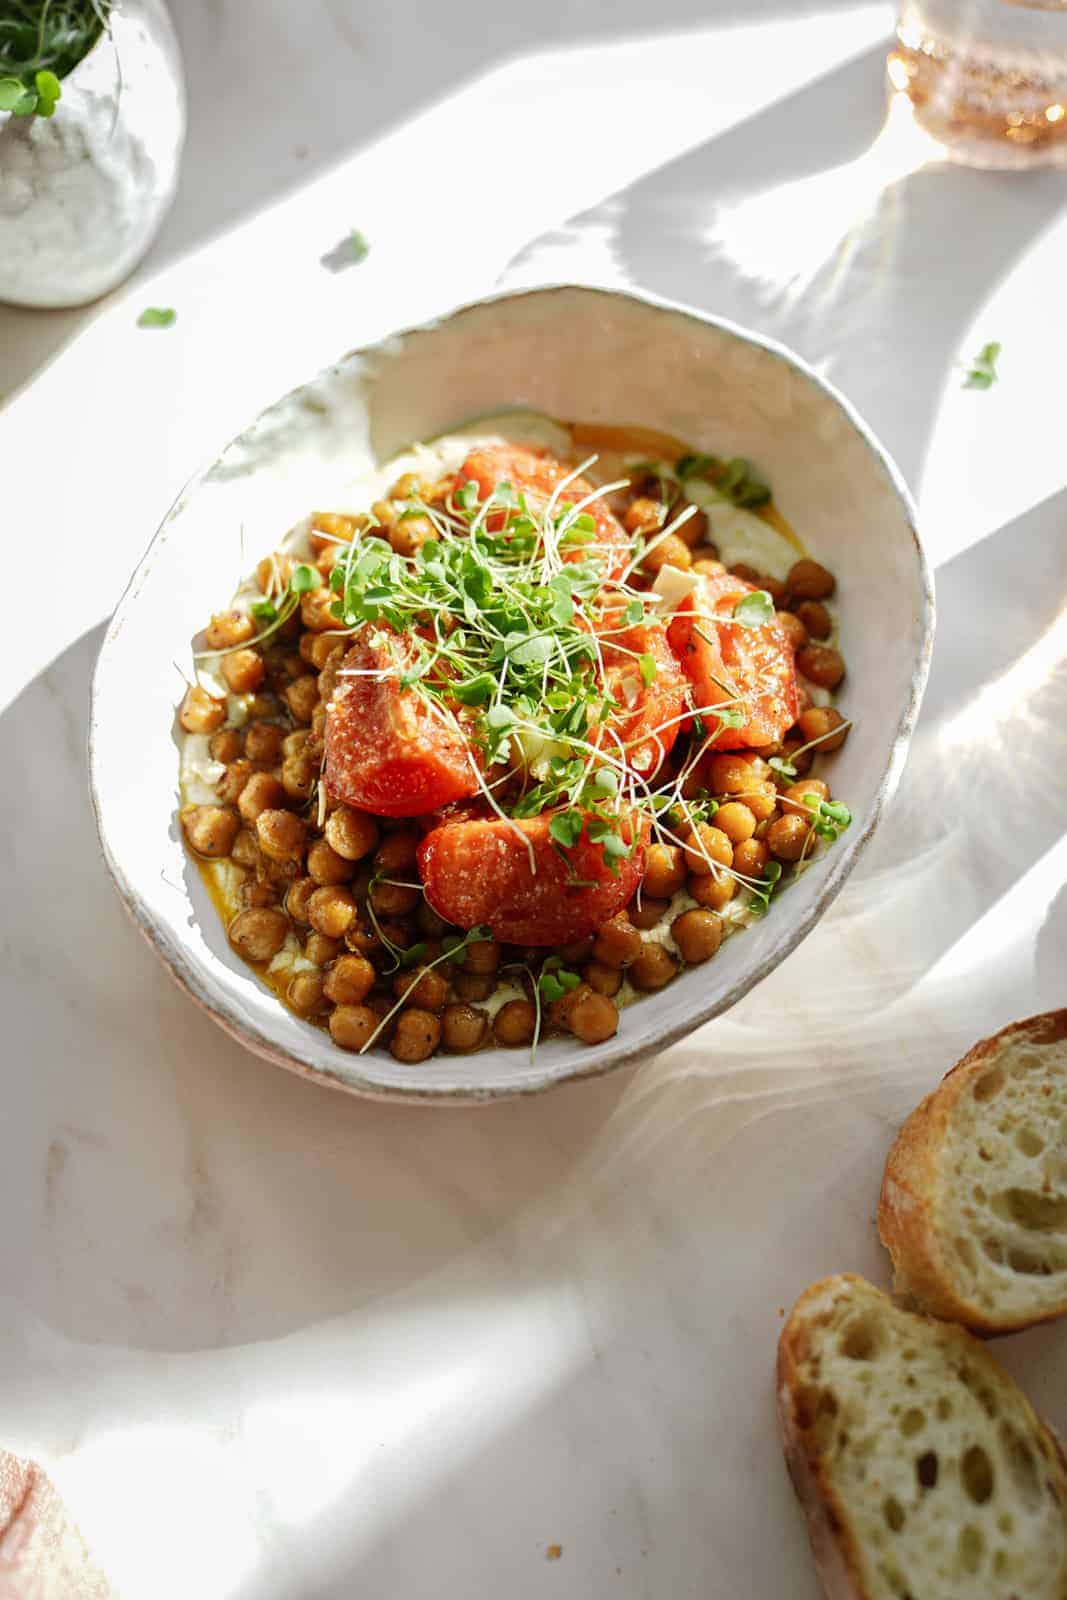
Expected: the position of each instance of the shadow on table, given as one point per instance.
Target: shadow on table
(807, 223)
(341, 64)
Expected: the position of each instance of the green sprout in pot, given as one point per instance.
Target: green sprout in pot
(41, 41)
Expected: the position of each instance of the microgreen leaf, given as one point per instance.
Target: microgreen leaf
(358, 247)
(648, 667)
(694, 466)
(157, 317)
(11, 92)
(754, 610)
(263, 610)
(760, 899)
(633, 613)
(48, 92)
(784, 768)
(741, 483)
(413, 955)
(606, 781)
(983, 373)
(474, 691)
(303, 579)
(566, 827)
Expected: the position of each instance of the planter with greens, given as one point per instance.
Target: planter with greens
(92, 120)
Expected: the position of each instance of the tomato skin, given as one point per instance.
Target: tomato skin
(386, 752)
(758, 662)
(478, 874)
(647, 726)
(538, 474)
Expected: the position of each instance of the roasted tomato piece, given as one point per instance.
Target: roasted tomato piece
(387, 751)
(539, 474)
(480, 874)
(749, 667)
(646, 724)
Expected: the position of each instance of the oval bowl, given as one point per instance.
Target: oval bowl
(565, 351)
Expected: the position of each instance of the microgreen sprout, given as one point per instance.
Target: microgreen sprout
(982, 373)
(40, 43)
(761, 892)
(736, 480)
(157, 317)
(754, 610)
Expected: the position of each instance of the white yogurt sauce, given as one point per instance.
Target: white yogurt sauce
(739, 535)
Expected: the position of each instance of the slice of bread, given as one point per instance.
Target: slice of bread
(922, 1468)
(974, 1197)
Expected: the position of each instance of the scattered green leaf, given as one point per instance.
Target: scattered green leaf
(754, 610)
(982, 374)
(157, 317)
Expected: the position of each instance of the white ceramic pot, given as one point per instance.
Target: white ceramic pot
(83, 192)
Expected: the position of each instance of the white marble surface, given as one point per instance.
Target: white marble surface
(272, 1342)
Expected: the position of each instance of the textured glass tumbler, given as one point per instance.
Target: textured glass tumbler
(987, 78)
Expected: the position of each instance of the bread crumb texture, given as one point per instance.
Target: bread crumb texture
(1001, 1195)
(925, 1473)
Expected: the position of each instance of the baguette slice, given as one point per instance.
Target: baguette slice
(974, 1198)
(922, 1468)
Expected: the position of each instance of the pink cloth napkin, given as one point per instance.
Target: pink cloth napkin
(42, 1554)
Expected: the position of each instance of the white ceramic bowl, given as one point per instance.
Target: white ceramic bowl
(576, 353)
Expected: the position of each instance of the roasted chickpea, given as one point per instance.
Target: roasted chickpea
(262, 792)
(326, 866)
(648, 911)
(417, 1035)
(748, 573)
(258, 934)
(482, 956)
(299, 774)
(694, 530)
(604, 979)
(787, 837)
(318, 948)
(708, 567)
(351, 833)
(328, 527)
(352, 1027)
(228, 628)
(331, 910)
(423, 986)
(715, 893)
(736, 821)
(281, 835)
(406, 487)
(751, 857)
(226, 745)
(246, 850)
(258, 891)
(644, 515)
(327, 559)
(231, 785)
(294, 743)
(473, 985)
(821, 665)
(761, 800)
(302, 696)
(385, 513)
(397, 853)
(515, 1023)
(654, 967)
(664, 871)
(592, 1017)
(274, 572)
(731, 774)
(394, 899)
(315, 612)
(349, 981)
(706, 848)
(243, 670)
(463, 1027)
(618, 943)
(774, 587)
(263, 743)
(793, 629)
(201, 712)
(809, 581)
(815, 619)
(669, 552)
(306, 994)
(823, 723)
(297, 897)
(698, 935)
(795, 799)
(210, 830)
(408, 534)
(320, 647)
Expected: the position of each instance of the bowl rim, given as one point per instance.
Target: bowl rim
(186, 971)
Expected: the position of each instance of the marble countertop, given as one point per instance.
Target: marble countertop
(272, 1342)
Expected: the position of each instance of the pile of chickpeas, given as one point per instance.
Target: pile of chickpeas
(346, 889)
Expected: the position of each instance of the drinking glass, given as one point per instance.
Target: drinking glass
(987, 78)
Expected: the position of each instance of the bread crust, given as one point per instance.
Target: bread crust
(905, 1208)
(835, 1549)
